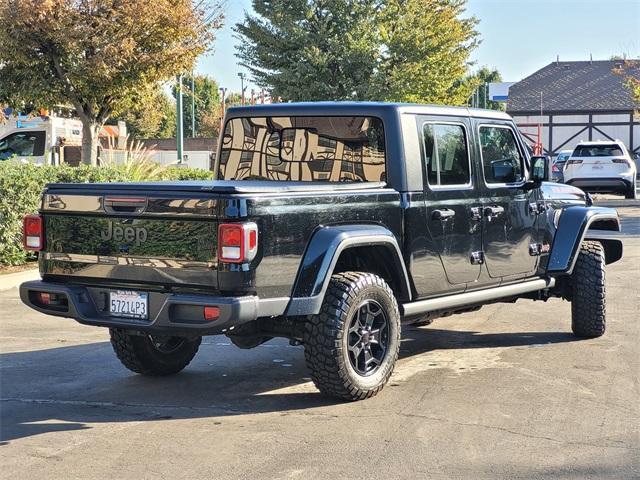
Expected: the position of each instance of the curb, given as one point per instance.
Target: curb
(12, 280)
(617, 203)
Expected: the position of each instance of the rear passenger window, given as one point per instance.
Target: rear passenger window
(446, 155)
(501, 159)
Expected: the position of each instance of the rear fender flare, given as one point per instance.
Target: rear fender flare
(573, 229)
(322, 254)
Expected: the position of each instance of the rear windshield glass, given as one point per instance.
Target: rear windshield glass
(597, 151)
(333, 149)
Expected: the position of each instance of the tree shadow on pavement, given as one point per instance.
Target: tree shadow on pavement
(69, 388)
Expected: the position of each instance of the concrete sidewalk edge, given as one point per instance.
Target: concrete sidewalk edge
(12, 280)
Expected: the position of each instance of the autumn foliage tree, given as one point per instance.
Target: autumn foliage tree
(100, 56)
(630, 72)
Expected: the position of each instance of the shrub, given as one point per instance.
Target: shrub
(21, 185)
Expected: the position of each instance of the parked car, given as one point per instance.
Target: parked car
(557, 166)
(602, 166)
(329, 224)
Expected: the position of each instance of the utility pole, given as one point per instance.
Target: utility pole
(485, 91)
(193, 107)
(241, 75)
(179, 119)
(223, 95)
(540, 149)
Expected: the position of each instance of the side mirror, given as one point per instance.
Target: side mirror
(539, 171)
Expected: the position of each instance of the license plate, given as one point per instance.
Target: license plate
(125, 303)
(597, 167)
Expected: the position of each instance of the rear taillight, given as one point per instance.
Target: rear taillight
(621, 160)
(32, 234)
(237, 242)
(554, 168)
(56, 301)
(574, 162)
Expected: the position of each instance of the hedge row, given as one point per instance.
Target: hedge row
(22, 183)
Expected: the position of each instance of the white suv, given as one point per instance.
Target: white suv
(602, 166)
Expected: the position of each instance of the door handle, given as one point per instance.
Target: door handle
(442, 214)
(492, 212)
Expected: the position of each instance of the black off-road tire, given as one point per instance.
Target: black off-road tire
(588, 301)
(327, 336)
(139, 354)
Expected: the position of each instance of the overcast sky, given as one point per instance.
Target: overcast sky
(518, 36)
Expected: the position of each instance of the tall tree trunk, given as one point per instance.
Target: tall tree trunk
(90, 131)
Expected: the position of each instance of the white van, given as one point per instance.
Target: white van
(31, 139)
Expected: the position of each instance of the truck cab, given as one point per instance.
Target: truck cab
(331, 224)
(31, 139)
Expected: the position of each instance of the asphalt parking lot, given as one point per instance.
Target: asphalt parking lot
(506, 392)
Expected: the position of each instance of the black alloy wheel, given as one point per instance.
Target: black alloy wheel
(368, 338)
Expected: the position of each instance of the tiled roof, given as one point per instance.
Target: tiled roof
(574, 86)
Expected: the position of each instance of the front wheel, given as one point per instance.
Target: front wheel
(352, 345)
(153, 355)
(588, 302)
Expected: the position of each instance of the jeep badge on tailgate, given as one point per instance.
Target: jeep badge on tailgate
(128, 234)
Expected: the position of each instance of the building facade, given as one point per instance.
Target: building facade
(569, 102)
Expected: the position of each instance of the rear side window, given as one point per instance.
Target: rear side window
(23, 144)
(446, 155)
(502, 161)
(612, 150)
(333, 149)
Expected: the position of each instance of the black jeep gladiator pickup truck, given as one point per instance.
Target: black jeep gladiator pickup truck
(329, 224)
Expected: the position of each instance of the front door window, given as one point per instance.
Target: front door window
(501, 159)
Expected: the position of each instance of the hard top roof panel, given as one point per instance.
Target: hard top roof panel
(359, 108)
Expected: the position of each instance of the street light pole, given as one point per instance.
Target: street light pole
(241, 75)
(179, 119)
(223, 91)
(193, 107)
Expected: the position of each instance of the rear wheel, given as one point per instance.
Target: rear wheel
(631, 193)
(588, 302)
(351, 347)
(152, 354)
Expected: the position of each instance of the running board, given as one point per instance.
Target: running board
(475, 297)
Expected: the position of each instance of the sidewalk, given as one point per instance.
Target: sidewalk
(617, 203)
(11, 280)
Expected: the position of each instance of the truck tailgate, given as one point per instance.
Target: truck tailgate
(130, 237)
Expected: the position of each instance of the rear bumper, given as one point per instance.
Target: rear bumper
(614, 184)
(169, 313)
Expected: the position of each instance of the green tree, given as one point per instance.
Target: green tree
(425, 51)
(207, 104)
(311, 49)
(233, 99)
(151, 117)
(478, 81)
(395, 50)
(98, 55)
